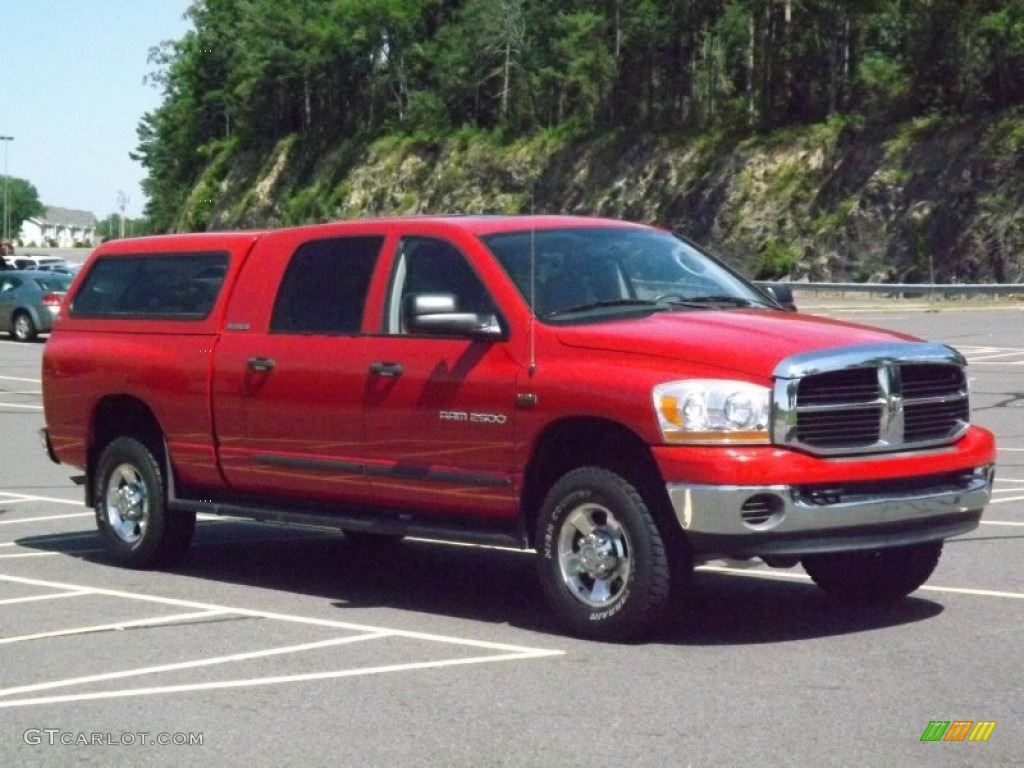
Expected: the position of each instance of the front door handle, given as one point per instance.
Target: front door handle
(260, 364)
(387, 370)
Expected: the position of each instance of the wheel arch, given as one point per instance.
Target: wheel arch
(589, 441)
(121, 416)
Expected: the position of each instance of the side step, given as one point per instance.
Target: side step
(387, 522)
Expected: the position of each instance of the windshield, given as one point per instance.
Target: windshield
(611, 270)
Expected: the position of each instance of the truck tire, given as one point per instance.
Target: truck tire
(131, 509)
(22, 327)
(603, 563)
(874, 576)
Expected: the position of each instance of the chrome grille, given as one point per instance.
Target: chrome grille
(871, 399)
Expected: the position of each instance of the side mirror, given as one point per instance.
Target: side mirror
(436, 314)
(782, 293)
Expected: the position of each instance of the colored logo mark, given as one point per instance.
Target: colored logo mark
(958, 730)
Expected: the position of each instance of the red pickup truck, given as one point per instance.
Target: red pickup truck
(603, 392)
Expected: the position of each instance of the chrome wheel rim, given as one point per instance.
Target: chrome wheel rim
(127, 502)
(594, 555)
(22, 328)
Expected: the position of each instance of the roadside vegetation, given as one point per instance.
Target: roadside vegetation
(279, 113)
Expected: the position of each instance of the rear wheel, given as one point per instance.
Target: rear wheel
(603, 562)
(23, 329)
(874, 576)
(131, 509)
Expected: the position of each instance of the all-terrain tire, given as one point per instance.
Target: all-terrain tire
(131, 508)
(874, 576)
(603, 562)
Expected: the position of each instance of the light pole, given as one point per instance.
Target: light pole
(122, 202)
(7, 212)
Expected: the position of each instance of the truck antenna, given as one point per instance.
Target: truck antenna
(532, 367)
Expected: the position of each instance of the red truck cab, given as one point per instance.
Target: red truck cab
(603, 392)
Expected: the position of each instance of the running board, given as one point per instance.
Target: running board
(390, 523)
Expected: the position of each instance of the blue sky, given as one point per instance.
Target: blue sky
(72, 94)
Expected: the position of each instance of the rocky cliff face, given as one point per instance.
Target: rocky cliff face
(931, 199)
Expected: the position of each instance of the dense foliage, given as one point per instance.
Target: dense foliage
(254, 71)
(23, 199)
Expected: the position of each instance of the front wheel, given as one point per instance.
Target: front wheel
(131, 510)
(874, 576)
(603, 562)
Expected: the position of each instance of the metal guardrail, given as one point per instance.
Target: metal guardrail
(914, 289)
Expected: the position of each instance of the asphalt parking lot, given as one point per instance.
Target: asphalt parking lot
(280, 646)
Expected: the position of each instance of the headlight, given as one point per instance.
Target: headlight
(713, 411)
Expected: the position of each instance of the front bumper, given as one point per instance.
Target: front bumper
(44, 437)
(796, 520)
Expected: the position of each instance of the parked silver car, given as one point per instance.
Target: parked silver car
(31, 261)
(30, 300)
(64, 267)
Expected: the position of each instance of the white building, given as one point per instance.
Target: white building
(59, 228)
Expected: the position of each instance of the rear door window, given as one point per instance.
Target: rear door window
(325, 285)
(181, 286)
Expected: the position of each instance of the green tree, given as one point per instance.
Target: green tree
(23, 202)
(109, 228)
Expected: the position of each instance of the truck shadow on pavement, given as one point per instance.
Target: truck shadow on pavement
(486, 585)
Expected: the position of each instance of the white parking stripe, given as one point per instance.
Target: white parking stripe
(116, 626)
(52, 554)
(192, 664)
(16, 378)
(271, 615)
(33, 598)
(45, 517)
(506, 652)
(526, 654)
(29, 497)
(975, 357)
(18, 405)
(804, 577)
(1003, 501)
(29, 554)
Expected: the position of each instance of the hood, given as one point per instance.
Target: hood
(750, 342)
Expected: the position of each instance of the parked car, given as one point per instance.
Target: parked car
(33, 262)
(63, 267)
(29, 301)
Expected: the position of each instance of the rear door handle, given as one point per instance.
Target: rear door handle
(260, 364)
(385, 369)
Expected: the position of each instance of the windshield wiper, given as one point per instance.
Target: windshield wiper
(726, 301)
(607, 303)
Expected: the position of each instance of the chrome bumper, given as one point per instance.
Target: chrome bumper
(44, 437)
(782, 520)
